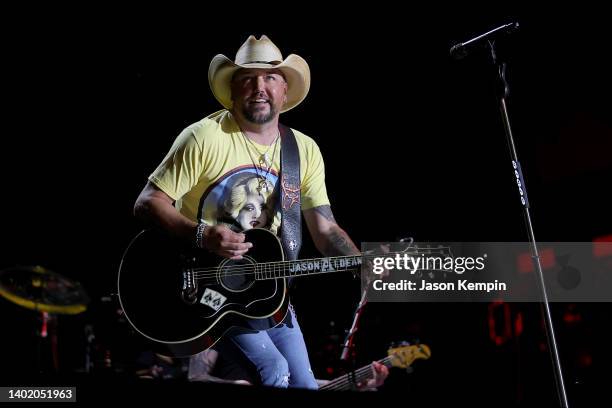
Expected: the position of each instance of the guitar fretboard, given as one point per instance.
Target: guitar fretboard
(289, 269)
(348, 381)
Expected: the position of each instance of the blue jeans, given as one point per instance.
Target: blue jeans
(279, 354)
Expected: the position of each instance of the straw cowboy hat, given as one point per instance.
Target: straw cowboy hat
(260, 53)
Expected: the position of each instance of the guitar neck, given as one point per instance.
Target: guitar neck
(303, 267)
(290, 269)
(349, 381)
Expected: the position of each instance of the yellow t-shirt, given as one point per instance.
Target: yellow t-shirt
(216, 175)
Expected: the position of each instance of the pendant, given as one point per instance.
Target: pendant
(263, 185)
(265, 159)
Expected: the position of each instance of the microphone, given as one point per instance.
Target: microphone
(460, 50)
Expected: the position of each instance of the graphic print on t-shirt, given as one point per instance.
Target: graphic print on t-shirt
(241, 199)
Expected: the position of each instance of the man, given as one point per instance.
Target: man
(200, 182)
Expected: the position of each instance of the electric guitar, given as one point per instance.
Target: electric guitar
(184, 300)
(402, 357)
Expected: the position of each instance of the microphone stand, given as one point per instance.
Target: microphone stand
(348, 342)
(549, 328)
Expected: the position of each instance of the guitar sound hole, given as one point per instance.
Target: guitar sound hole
(238, 275)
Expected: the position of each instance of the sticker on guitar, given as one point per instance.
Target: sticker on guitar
(213, 299)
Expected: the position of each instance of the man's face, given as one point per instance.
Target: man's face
(259, 94)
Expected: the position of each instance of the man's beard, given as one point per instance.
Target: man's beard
(258, 118)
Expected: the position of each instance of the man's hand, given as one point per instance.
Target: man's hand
(380, 372)
(225, 242)
(382, 251)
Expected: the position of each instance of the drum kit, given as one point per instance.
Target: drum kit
(95, 336)
(42, 290)
(48, 294)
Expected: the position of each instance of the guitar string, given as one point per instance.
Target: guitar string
(263, 266)
(271, 274)
(269, 277)
(252, 268)
(347, 382)
(345, 379)
(214, 276)
(264, 269)
(360, 374)
(213, 270)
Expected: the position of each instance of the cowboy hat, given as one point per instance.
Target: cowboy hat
(260, 53)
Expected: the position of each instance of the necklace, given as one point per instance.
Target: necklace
(264, 159)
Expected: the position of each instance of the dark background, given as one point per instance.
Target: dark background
(413, 143)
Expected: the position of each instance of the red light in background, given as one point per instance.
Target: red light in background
(505, 325)
(602, 246)
(525, 263)
(585, 359)
(571, 315)
(518, 324)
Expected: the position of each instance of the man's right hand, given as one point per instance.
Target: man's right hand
(225, 242)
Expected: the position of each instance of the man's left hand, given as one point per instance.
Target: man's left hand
(381, 372)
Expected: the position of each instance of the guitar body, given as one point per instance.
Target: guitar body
(184, 300)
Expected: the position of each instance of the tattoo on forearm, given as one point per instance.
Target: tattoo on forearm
(336, 241)
(326, 212)
(339, 243)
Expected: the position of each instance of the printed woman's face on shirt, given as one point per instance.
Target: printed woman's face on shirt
(253, 214)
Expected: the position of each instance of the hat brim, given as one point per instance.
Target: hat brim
(294, 68)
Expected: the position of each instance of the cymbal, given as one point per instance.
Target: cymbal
(40, 289)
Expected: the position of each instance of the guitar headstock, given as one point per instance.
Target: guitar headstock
(440, 251)
(404, 356)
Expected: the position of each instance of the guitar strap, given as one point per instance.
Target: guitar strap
(288, 193)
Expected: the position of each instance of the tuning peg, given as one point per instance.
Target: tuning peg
(412, 340)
